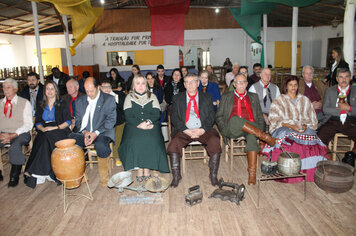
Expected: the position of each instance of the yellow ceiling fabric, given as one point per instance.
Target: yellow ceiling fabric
(83, 17)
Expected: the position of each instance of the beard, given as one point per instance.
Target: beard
(32, 86)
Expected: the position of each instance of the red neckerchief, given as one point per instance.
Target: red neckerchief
(347, 93)
(8, 102)
(265, 85)
(196, 110)
(247, 102)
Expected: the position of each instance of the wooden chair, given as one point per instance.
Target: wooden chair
(91, 152)
(189, 152)
(335, 145)
(4, 150)
(238, 144)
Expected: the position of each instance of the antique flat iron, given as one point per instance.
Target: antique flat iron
(236, 194)
(194, 195)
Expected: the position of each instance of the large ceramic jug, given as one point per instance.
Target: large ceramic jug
(68, 162)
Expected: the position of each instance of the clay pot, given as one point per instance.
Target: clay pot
(289, 164)
(68, 162)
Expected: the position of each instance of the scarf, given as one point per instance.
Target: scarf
(196, 110)
(247, 102)
(7, 104)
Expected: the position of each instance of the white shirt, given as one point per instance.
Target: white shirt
(90, 111)
(27, 116)
(55, 80)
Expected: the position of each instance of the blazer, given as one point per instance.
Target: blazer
(104, 115)
(67, 98)
(61, 83)
(206, 112)
(225, 109)
(329, 104)
(332, 76)
(168, 90)
(319, 85)
(61, 114)
(25, 93)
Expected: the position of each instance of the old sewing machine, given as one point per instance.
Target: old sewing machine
(236, 194)
(123, 179)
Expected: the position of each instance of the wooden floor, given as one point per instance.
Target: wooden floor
(282, 211)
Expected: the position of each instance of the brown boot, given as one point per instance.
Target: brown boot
(103, 166)
(248, 128)
(214, 162)
(175, 166)
(252, 164)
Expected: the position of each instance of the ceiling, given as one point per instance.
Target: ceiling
(16, 15)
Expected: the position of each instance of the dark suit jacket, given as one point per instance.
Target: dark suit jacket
(25, 93)
(61, 114)
(329, 104)
(61, 83)
(104, 115)
(332, 76)
(168, 90)
(225, 109)
(67, 98)
(165, 80)
(206, 112)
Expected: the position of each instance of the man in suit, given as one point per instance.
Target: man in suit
(193, 122)
(312, 89)
(95, 118)
(33, 91)
(70, 98)
(240, 114)
(339, 108)
(60, 78)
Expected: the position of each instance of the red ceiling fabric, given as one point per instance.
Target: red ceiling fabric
(167, 21)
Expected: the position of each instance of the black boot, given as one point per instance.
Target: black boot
(214, 167)
(14, 175)
(1, 177)
(175, 165)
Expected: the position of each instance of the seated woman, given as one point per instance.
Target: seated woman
(211, 88)
(243, 70)
(118, 83)
(142, 146)
(155, 88)
(174, 86)
(106, 87)
(293, 121)
(135, 69)
(52, 122)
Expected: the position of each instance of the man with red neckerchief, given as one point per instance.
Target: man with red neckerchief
(339, 107)
(240, 114)
(193, 117)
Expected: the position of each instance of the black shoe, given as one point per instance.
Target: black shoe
(14, 175)
(1, 177)
(30, 181)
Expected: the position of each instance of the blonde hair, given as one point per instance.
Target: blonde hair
(132, 89)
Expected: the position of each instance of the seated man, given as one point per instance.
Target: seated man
(60, 78)
(229, 77)
(339, 108)
(95, 118)
(266, 92)
(70, 98)
(33, 91)
(312, 89)
(240, 114)
(15, 124)
(193, 122)
(256, 76)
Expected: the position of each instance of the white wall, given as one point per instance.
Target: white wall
(14, 54)
(224, 43)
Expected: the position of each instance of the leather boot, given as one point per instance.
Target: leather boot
(1, 177)
(248, 128)
(103, 167)
(252, 164)
(214, 162)
(175, 166)
(14, 175)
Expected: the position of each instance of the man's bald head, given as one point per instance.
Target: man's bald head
(91, 87)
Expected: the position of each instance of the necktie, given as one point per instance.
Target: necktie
(196, 110)
(7, 104)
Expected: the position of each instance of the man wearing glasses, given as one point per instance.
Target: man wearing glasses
(240, 115)
(193, 117)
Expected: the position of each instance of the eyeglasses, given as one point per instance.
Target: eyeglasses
(240, 82)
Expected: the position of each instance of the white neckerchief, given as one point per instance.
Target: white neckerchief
(342, 92)
(334, 66)
(90, 110)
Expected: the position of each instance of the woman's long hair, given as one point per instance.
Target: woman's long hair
(156, 85)
(339, 53)
(132, 89)
(181, 74)
(118, 76)
(44, 102)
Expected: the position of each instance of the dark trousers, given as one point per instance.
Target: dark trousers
(101, 143)
(331, 127)
(210, 139)
(16, 155)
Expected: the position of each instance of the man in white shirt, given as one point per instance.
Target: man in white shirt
(266, 92)
(95, 118)
(15, 124)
